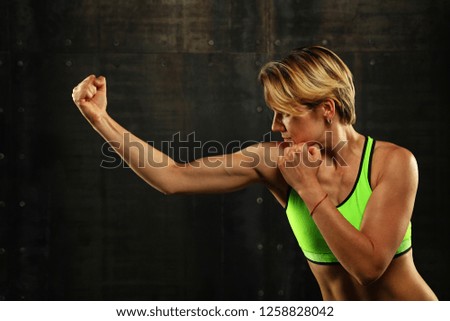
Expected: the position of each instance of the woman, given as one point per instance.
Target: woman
(348, 198)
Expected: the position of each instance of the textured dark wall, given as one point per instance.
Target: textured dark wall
(72, 230)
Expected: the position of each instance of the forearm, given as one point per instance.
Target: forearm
(354, 250)
(153, 166)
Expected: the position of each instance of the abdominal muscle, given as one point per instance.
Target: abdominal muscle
(400, 281)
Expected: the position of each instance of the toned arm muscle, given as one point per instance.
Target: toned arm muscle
(367, 253)
(215, 174)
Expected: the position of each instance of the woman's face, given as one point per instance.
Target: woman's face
(308, 127)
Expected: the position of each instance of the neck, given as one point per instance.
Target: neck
(341, 142)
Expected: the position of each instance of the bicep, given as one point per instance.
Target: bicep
(390, 206)
(220, 174)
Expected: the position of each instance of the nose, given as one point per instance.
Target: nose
(277, 124)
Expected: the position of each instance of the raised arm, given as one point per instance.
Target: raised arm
(207, 175)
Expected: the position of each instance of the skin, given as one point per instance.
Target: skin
(367, 270)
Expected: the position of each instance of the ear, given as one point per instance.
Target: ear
(329, 109)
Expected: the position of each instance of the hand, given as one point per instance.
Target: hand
(90, 97)
(299, 165)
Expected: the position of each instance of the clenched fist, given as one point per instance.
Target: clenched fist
(90, 97)
(299, 165)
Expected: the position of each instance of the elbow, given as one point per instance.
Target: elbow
(165, 189)
(371, 266)
(367, 279)
(168, 190)
(168, 183)
(369, 274)
(171, 188)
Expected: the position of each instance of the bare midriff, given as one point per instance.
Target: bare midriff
(401, 281)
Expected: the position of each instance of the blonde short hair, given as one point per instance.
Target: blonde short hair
(305, 78)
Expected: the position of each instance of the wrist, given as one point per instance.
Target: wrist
(313, 209)
(311, 195)
(309, 190)
(100, 121)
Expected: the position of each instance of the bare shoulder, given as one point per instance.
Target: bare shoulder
(391, 160)
(264, 157)
(266, 164)
(390, 152)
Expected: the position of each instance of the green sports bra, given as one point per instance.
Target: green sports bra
(352, 208)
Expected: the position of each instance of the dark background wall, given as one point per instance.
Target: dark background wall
(73, 230)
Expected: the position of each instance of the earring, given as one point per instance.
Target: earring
(329, 121)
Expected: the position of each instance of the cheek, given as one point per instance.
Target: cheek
(296, 134)
(294, 127)
(302, 133)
